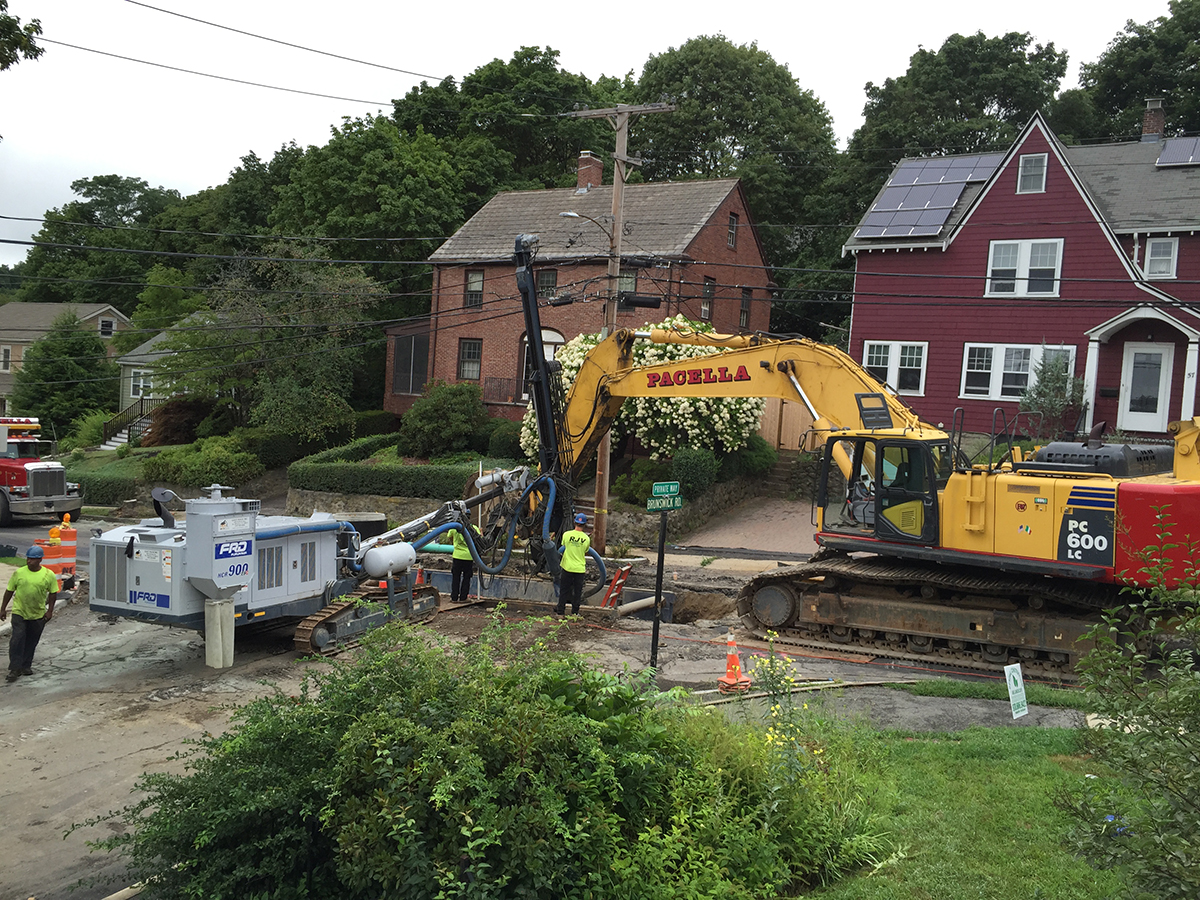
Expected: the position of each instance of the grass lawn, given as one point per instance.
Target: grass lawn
(1036, 694)
(973, 819)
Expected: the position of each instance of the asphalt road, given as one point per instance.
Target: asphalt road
(22, 533)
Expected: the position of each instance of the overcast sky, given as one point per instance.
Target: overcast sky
(74, 114)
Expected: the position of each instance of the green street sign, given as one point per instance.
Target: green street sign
(663, 504)
(1016, 690)
(665, 489)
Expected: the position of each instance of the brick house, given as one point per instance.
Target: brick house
(971, 269)
(692, 245)
(21, 324)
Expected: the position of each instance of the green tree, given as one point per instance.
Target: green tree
(385, 195)
(17, 41)
(739, 113)
(113, 216)
(66, 374)
(502, 125)
(1160, 58)
(279, 342)
(163, 303)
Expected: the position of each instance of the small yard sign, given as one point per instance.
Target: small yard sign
(1016, 690)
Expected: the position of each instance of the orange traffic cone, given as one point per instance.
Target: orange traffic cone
(733, 681)
(420, 575)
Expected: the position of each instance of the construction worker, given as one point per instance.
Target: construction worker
(36, 590)
(462, 567)
(575, 544)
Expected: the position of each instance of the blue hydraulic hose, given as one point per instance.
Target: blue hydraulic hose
(427, 537)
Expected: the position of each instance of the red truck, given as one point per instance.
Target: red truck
(29, 486)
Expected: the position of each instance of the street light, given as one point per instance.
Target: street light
(604, 451)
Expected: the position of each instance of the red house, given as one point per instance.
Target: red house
(690, 245)
(970, 269)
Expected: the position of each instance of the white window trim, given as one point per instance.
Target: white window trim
(1021, 172)
(997, 374)
(6, 365)
(894, 362)
(144, 381)
(112, 327)
(1174, 242)
(1021, 287)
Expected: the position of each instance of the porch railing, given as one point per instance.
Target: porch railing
(130, 416)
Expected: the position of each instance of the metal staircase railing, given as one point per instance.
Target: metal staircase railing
(130, 415)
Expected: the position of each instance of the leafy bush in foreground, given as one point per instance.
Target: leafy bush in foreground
(493, 769)
(1142, 815)
(216, 460)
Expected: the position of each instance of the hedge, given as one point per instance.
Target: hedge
(337, 470)
(104, 489)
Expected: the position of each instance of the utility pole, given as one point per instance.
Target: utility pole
(619, 118)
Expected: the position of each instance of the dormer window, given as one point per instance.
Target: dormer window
(1160, 257)
(1031, 177)
(107, 327)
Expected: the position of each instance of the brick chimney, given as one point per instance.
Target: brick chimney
(1154, 121)
(590, 173)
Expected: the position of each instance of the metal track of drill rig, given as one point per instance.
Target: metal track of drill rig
(337, 626)
(887, 608)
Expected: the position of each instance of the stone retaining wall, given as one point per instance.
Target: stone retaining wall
(624, 526)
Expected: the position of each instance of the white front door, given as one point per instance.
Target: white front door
(1145, 387)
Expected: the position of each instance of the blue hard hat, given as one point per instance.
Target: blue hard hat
(580, 519)
(35, 553)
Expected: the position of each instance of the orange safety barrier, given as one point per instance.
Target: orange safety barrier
(68, 538)
(51, 551)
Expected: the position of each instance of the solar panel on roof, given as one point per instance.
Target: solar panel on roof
(930, 188)
(1180, 152)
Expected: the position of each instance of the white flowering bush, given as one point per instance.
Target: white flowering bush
(662, 425)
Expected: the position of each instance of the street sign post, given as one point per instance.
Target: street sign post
(1016, 690)
(664, 495)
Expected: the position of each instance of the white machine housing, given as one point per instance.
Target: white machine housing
(271, 566)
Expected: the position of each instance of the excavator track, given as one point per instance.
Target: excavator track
(926, 614)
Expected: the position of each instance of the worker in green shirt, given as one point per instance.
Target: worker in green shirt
(35, 589)
(462, 568)
(575, 546)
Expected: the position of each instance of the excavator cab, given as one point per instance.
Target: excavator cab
(890, 491)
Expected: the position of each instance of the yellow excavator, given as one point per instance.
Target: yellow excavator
(921, 554)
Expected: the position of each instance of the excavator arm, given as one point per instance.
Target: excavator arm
(838, 392)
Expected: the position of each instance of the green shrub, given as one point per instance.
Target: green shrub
(494, 768)
(217, 460)
(101, 488)
(123, 450)
(220, 422)
(505, 441)
(445, 419)
(756, 458)
(87, 430)
(635, 486)
(375, 421)
(695, 468)
(481, 437)
(175, 422)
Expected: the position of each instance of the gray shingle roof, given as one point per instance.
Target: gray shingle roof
(146, 353)
(1132, 192)
(24, 323)
(661, 220)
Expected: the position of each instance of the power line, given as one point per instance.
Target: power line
(258, 84)
(361, 62)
